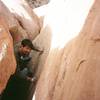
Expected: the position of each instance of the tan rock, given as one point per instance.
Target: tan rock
(42, 42)
(72, 72)
(41, 12)
(4, 11)
(25, 16)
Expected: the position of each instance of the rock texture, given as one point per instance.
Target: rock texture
(7, 59)
(27, 19)
(14, 27)
(13, 31)
(37, 3)
(67, 70)
(41, 12)
(72, 73)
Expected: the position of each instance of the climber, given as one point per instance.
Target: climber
(17, 88)
(23, 57)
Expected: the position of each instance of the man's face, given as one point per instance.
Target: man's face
(25, 50)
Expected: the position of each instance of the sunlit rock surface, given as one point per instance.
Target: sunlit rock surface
(71, 70)
(7, 59)
(25, 16)
(69, 65)
(7, 15)
(41, 12)
(14, 27)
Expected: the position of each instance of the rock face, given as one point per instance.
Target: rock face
(72, 73)
(27, 19)
(12, 31)
(37, 3)
(7, 59)
(67, 70)
(14, 27)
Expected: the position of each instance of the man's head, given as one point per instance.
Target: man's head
(26, 46)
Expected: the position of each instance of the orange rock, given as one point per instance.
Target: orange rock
(7, 59)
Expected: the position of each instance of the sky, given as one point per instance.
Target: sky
(66, 18)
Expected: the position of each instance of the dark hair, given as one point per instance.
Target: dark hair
(27, 42)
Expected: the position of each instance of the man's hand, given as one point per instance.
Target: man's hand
(41, 51)
(31, 79)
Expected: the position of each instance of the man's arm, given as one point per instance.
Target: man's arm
(36, 49)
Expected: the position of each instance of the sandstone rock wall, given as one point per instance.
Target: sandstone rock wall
(27, 19)
(66, 69)
(14, 27)
(7, 59)
(12, 31)
(37, 3)
(72, 72)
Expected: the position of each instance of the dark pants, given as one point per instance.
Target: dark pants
(1, 97)
(17, 89)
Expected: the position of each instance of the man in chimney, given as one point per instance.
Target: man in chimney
(18, 85)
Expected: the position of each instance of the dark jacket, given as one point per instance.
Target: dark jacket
(23, 70)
